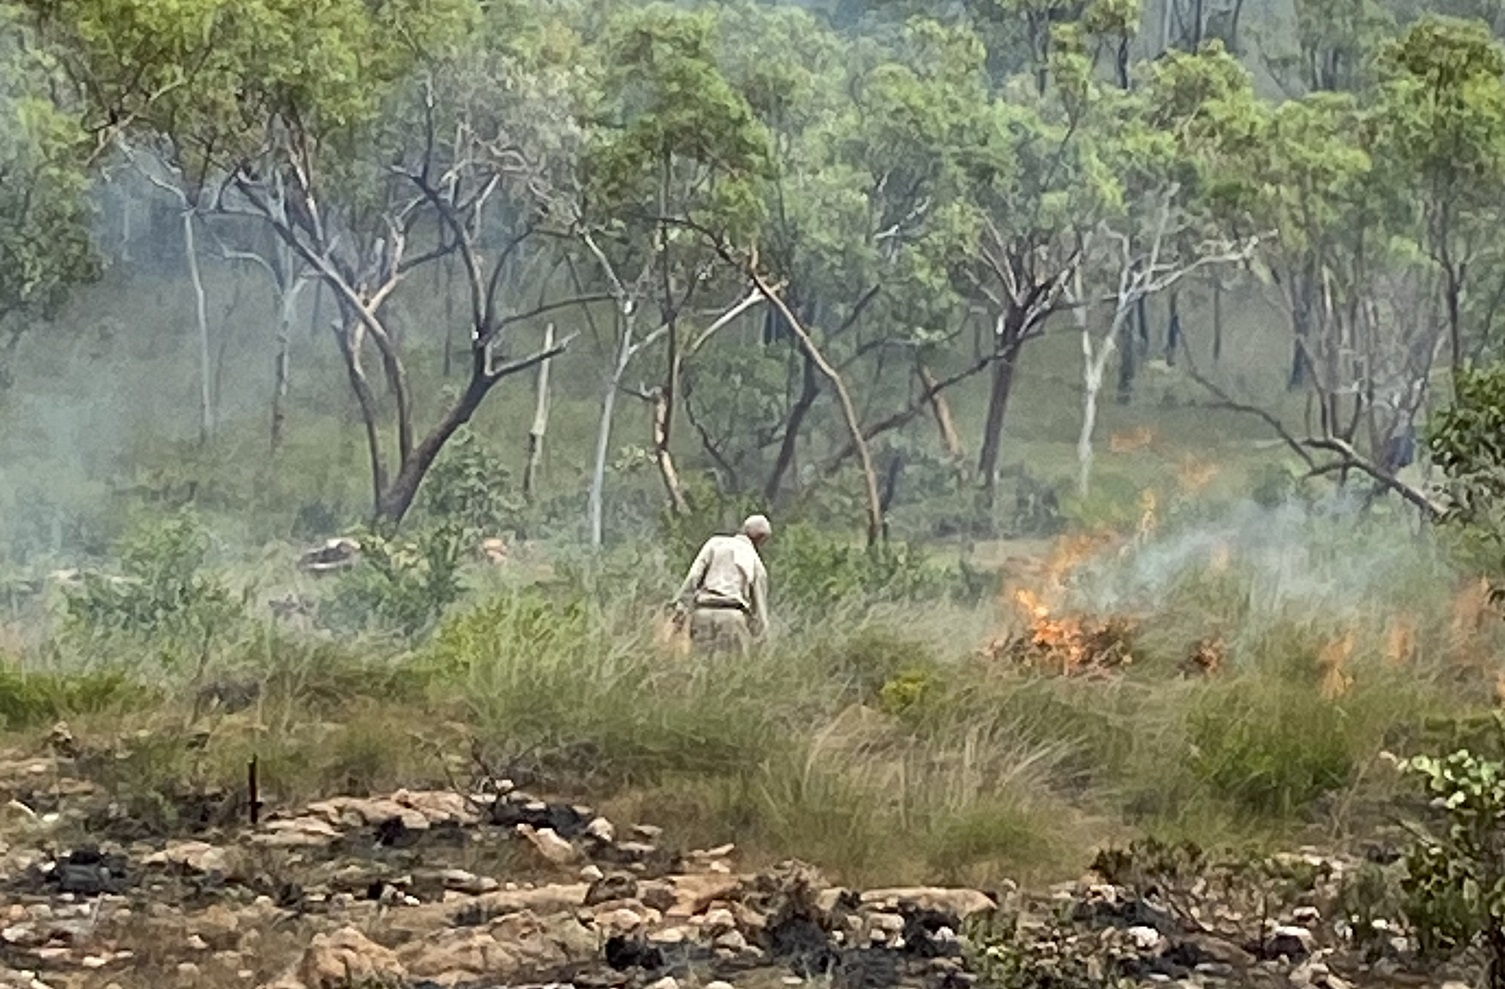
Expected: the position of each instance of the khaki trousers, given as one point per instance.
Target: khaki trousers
(716, 630)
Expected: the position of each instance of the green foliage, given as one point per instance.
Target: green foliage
(163, 595)
(217, 78)
(470, 489)
(1467, 441)
(31, 699)
(399, 586)
(1274, 752)
(1455, 883)
(671, 110)
(813, 569)
(45, 217)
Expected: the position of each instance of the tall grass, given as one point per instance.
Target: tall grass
(870, 735)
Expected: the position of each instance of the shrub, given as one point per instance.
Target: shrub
(30, 699)
(163, 595)
(401, 587)
(469, 489)
(1455, 884)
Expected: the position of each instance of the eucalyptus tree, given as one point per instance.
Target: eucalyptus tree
(348, 128)
(45, 246)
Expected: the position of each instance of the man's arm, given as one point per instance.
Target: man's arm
(693, 578)
(760, 603)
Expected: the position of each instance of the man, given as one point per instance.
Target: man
(726, 590)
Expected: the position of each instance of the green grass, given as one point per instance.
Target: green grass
(869, 738)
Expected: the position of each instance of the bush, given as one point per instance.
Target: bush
(468, 488)
(163, 595)
(401, 587)
(816, 570)
(1455, 884)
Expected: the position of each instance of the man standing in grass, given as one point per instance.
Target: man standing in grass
(726, 590)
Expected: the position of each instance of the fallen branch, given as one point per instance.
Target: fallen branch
(1349, 458)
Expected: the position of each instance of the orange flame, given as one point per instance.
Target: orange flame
(1400, 640)
(1135, 439)
(1333, 658)
(1194, 474)
(1147, 517)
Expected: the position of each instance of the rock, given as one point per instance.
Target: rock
(468, 882)
(660, 896)
(718, 922)
(548, 844)
(961, 903)
(646, 832)
(439, 806)
(667, 982)
(616, 886)
(601, 830)
(1146, 939)
(1200, 949)
(718, 985)
(622, 920)
(693, 894)
(732, 941)
(345, 959)
(460, 955)
(592, 873)
(1306, 916)
(198, 856)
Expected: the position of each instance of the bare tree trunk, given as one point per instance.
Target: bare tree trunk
(365, 399)
(950, 439)
(449, 320)
(127, 211)
(809, 390)
(201, 312)
(318, 308)
(662, 456)
(1093, 367)
(595, 499)
(1006, 341)
(282, 364)
(1217, 319)
(540, 421)
(222, 347)
(876, 528)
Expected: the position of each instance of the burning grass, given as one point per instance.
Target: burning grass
(1071, 644)
(1148, 682)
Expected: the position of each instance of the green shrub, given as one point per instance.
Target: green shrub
(401, 587)
(163, 596)
(1455, 883)
(470, 489)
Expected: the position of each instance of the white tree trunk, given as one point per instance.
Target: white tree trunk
(292, 286)
(1093, 367)
(603, 432)
(201, 303)
(540, 422)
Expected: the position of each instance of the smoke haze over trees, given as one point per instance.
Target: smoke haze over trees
(271, 259)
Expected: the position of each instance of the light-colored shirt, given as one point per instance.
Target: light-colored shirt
(728, 570)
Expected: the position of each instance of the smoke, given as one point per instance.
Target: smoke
(1295, 560)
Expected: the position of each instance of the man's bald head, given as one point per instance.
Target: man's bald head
(756, 528)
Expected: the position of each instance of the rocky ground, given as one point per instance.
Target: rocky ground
(489, 886)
